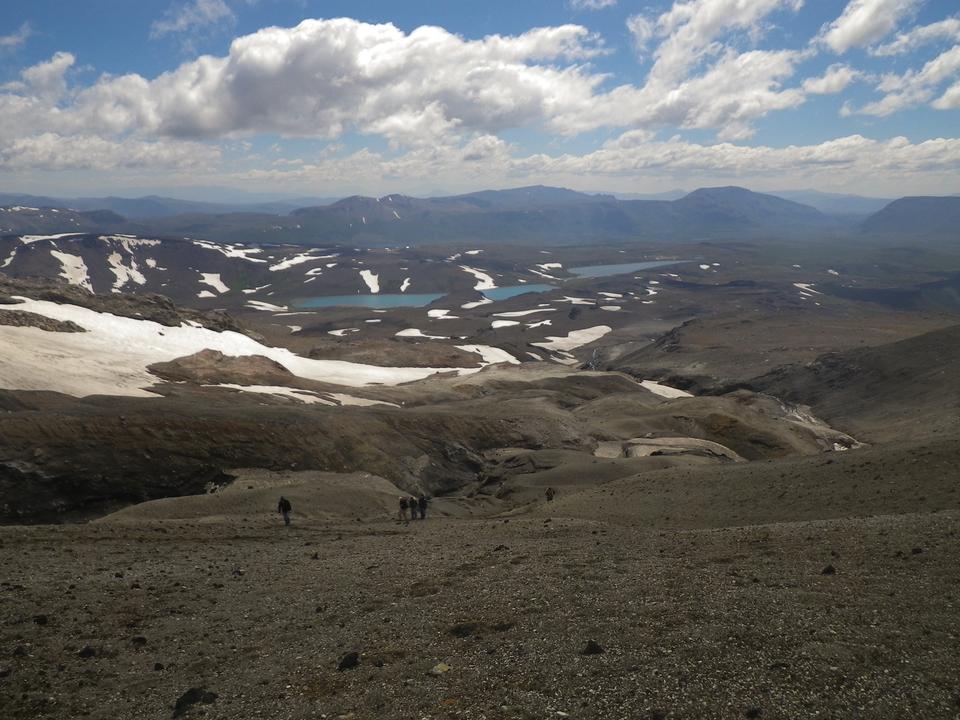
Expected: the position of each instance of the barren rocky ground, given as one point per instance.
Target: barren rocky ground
(508, 617)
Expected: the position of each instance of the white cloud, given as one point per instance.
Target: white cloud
(834, 80)
(16, 39)
(948, 29)
(592, 4)
(916, 87)
(641, 31)
(853, 160)
(950, 100)
(325, 77)
(50, 151)
(191, 16)
(864, 22)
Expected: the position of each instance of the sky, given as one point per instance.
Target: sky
(325, 98)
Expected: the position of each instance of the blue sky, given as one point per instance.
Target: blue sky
(328, 98)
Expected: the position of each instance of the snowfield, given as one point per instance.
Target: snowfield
(664, 390)
(372, 280)
(112, 357)
(73, 269)
(214, 281)
(490, 355)
(575, 339)
(484, 281)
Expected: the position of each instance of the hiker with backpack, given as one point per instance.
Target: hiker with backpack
(422, 503)
(412, 502)
(285, 508)
(402, 515)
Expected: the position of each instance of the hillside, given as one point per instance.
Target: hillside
(904, 389)
(917, 217)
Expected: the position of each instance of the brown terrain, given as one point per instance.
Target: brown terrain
(782, 543)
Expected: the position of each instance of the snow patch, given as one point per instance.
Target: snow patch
(404, 285)
(484, 281)
(490, 355)
(503, 323)
(265, 306)
(214, 281)
(664, 390)
(73, 269)
(414, 332)
(305, 396)
(372, 280)
(575, 338)
(521, 313)
(477, 303)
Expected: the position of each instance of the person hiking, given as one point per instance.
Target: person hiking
(422, 503)
(550, 493)
(284, 508)
(403, 510)
(412, 502)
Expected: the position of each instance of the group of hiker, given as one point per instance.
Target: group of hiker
(414, 505)
(410, 508)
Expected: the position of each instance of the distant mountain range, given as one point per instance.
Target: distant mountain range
(528, 215)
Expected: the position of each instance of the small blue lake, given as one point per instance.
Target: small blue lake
(620, 268)
(387, 300)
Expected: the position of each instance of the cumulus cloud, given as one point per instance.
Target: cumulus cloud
(864, 22)
(852, 160)
(834, 80)
(916, 87)
(641, 31)
(948, 29)
(50, 151)
(15, 39)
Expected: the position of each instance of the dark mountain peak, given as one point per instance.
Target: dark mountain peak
(917, 216)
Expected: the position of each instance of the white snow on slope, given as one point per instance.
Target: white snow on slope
(342, 331)
(438, 314)
(549, 265)
(477, 303)
(27, 239)
(610, 308)
(490, 354)
(232, 251)
(574, 339)
(521, 313)
(503, 323)
(484, 281)
(73, 269)
(404, 285)
(664, 390)
(299, 259)
(615, 295)
(472, 252)
(833, 272)
(576, 301)
(372, 280)
(265, 306)
(251, 291)
(123, 273)
(205, 294)
(807, 287)
(540, 324)
(214, 281)
(9, 259)
(414, 332)
(704, 267)
(113, 355)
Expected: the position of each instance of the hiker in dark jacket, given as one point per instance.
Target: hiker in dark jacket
(284, 508)
(403, 509)
(412, 502)
(422, 503)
